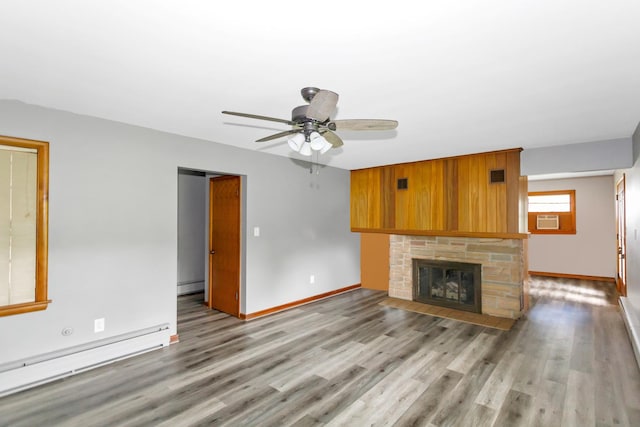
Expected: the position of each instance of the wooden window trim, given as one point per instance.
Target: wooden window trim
(42, 230)
(567, 219)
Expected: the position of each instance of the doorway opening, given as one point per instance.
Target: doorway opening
(219, 275)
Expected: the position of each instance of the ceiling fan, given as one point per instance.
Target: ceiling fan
(311, 125)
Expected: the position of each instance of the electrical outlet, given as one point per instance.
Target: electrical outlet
(98, 325)
(312, 279)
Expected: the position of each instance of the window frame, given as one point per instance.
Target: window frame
(567, 220)
(41, 300)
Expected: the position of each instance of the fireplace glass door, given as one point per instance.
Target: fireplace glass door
(448, 284)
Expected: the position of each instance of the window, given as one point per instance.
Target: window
(24, 189)
(552, 212)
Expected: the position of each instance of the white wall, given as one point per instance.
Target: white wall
(113, 227)
(192, 215)
(592, 250)
(605, 155)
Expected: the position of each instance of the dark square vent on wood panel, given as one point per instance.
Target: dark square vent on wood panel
(403, 183)
(496, 176)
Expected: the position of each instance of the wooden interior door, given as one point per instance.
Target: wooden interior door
(224, 244)
(621, 236)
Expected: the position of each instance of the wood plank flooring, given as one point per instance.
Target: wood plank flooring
(349, 361)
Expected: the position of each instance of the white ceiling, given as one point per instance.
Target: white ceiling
(460, 76)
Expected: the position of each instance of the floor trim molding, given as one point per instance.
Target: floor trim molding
(634, 336)
(293, 304)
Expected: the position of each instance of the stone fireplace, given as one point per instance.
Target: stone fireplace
(501, 263)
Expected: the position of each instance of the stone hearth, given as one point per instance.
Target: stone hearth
(502, 260)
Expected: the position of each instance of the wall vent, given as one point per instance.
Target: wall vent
(403, 183)
(496, 176)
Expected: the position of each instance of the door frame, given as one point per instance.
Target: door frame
(621, 238)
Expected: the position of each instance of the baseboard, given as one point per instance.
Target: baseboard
(293, 304)
(190, 287)
(572, 276)
(633, 327)
(23, 374)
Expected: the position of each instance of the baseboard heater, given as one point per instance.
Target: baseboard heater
(191, 287)
(30, 372)
(634, 335)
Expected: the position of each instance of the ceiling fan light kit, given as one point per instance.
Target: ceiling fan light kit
(296, 141)
(305, 150)
(318, 143)
(311, 125)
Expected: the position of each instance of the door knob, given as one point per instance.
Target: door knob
(212, 252)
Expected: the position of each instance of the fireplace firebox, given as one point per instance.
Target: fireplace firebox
(448, 284)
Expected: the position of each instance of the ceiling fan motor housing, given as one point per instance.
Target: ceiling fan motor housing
(308, 93)
(299, 114)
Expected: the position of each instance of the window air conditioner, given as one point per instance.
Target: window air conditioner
(548, 222)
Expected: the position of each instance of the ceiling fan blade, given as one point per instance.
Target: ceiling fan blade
(278, 135)
(365, 124)
(255, 116)
(322, 105)
(333, 139)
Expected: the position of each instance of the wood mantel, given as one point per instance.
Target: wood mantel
(479, 235)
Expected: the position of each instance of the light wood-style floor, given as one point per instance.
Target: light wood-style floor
(350, 361)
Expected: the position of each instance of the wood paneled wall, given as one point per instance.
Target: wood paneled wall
(444, 196)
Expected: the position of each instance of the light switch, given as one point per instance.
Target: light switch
(256, 231)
